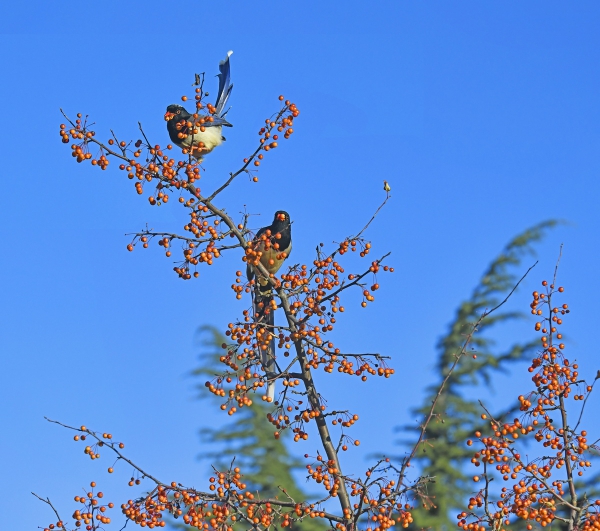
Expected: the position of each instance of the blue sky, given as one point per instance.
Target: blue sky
(484, 118)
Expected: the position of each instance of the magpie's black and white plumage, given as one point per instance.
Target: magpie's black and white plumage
(199, 134)
(274, 243)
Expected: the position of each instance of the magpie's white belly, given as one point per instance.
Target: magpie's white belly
(211, 138)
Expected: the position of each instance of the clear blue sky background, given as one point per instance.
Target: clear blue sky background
(484, 117)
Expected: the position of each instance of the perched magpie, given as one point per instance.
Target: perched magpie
(275, 244)
(201, 133)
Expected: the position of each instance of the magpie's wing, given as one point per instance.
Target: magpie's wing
(249, 268)
(217, 120)
(261, 232)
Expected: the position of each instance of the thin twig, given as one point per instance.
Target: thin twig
(111, 446)
(457, 358)
(372, 218)
(47, 500)
(584, 404)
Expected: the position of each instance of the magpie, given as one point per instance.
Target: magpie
(200, 133)
(274, 245)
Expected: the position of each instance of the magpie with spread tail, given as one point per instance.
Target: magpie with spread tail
(275, 244)
(201, 134)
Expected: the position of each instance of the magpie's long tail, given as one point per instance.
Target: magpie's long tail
(225, 87)
(264, 314)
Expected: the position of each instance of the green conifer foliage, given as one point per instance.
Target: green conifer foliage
(444, 455)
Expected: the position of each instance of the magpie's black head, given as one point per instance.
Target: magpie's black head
(174, 110)
(281, 220)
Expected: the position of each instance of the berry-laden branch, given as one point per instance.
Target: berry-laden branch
(178, 176)
(310, 298)
(59, 523)
(225, 496)
(538, 494)
(92, 512)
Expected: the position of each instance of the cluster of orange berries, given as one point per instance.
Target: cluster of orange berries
(91, 515)
(282, 123)
(227, 503)
(76, 132)
(281, 420)
(199, 226)
(80, 151)
(92, 450)
(349, 421)
(520, 503)
(93, 509)
(239, 394)
(195, 508)
(306, 291)
(244, 376)
(251, 361)
(381, 505)
(238, 287)
(346, 366)
(159, 167)
(353, 246)
(592, 522)
(533, 497)
(192, 255)
(206, 256)
(308, 300)
(146, 513)
(325, 473)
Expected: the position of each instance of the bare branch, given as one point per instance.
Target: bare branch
(457, 358)
(47, 500)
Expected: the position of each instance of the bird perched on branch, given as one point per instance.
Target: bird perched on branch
(197, 133)
(270, 247)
